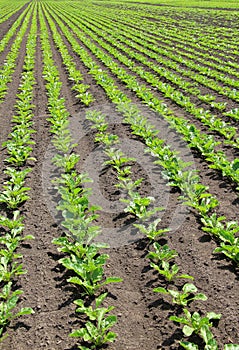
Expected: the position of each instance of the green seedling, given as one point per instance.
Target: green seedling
(126, 183)
(117, 158)
(208, 338)
(86, 98)
(63, 141)
(138, 205)
(14, 195)
(99, 119)
(17, 177)
(183, 297)
(96, 331)
(193, 323)
(19, 154)
(150, 230)
(73, 181)
(90, 272)
(107, 139)
(230, 250)
(161, 253)
(80, 250)
(16, 223)
(67, 162)
(8, 303)
(20, 136)
(8, 267)
(169, 272)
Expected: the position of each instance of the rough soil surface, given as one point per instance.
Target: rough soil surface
(143, 315)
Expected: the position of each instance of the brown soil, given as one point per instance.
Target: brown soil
(143, 315)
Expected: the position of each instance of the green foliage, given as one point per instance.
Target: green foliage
(96, 330)
(182, 297)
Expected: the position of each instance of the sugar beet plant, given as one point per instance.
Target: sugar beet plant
(82, 256)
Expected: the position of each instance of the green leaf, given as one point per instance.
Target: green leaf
(79, 333)
(231, 347)
(111, 336)
(200, 296)
(112, 280)
(213, 316)
(75, 280)
(178, 319)
(100, 299)
(25, 311)
(188, 330)
(188, 346)
(189, 288)
(186, 276)
(160, 290)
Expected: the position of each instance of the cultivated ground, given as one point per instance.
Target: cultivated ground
(143, 315)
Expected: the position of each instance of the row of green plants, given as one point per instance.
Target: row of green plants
(196, 195)
(74, 74)
(82, 256)
(8, 11)
(192, 36)
(204, 143)
(130, 42)
(162, 257)
(9, 65)
(214, 122)
(181, 40)
(137, 205)
(149, 48)
(171, 59)
(15, 192)
(132, 38)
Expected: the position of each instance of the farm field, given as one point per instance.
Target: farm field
(119, 175)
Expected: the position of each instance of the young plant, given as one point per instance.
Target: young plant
(96, 331)
(66, 161)
(138, 205)
(161, 253)
(185, 296)
(117, 158)
(193, 323)
(170, 272)
(150, 230)
(14, 195)
(7, 304)
(89, 271)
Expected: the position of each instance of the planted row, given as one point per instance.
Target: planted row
(15, 192)
(82, 256)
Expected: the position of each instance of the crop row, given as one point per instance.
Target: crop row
(83, 257)
(9, 65)
(14, 192)
(8, 10)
